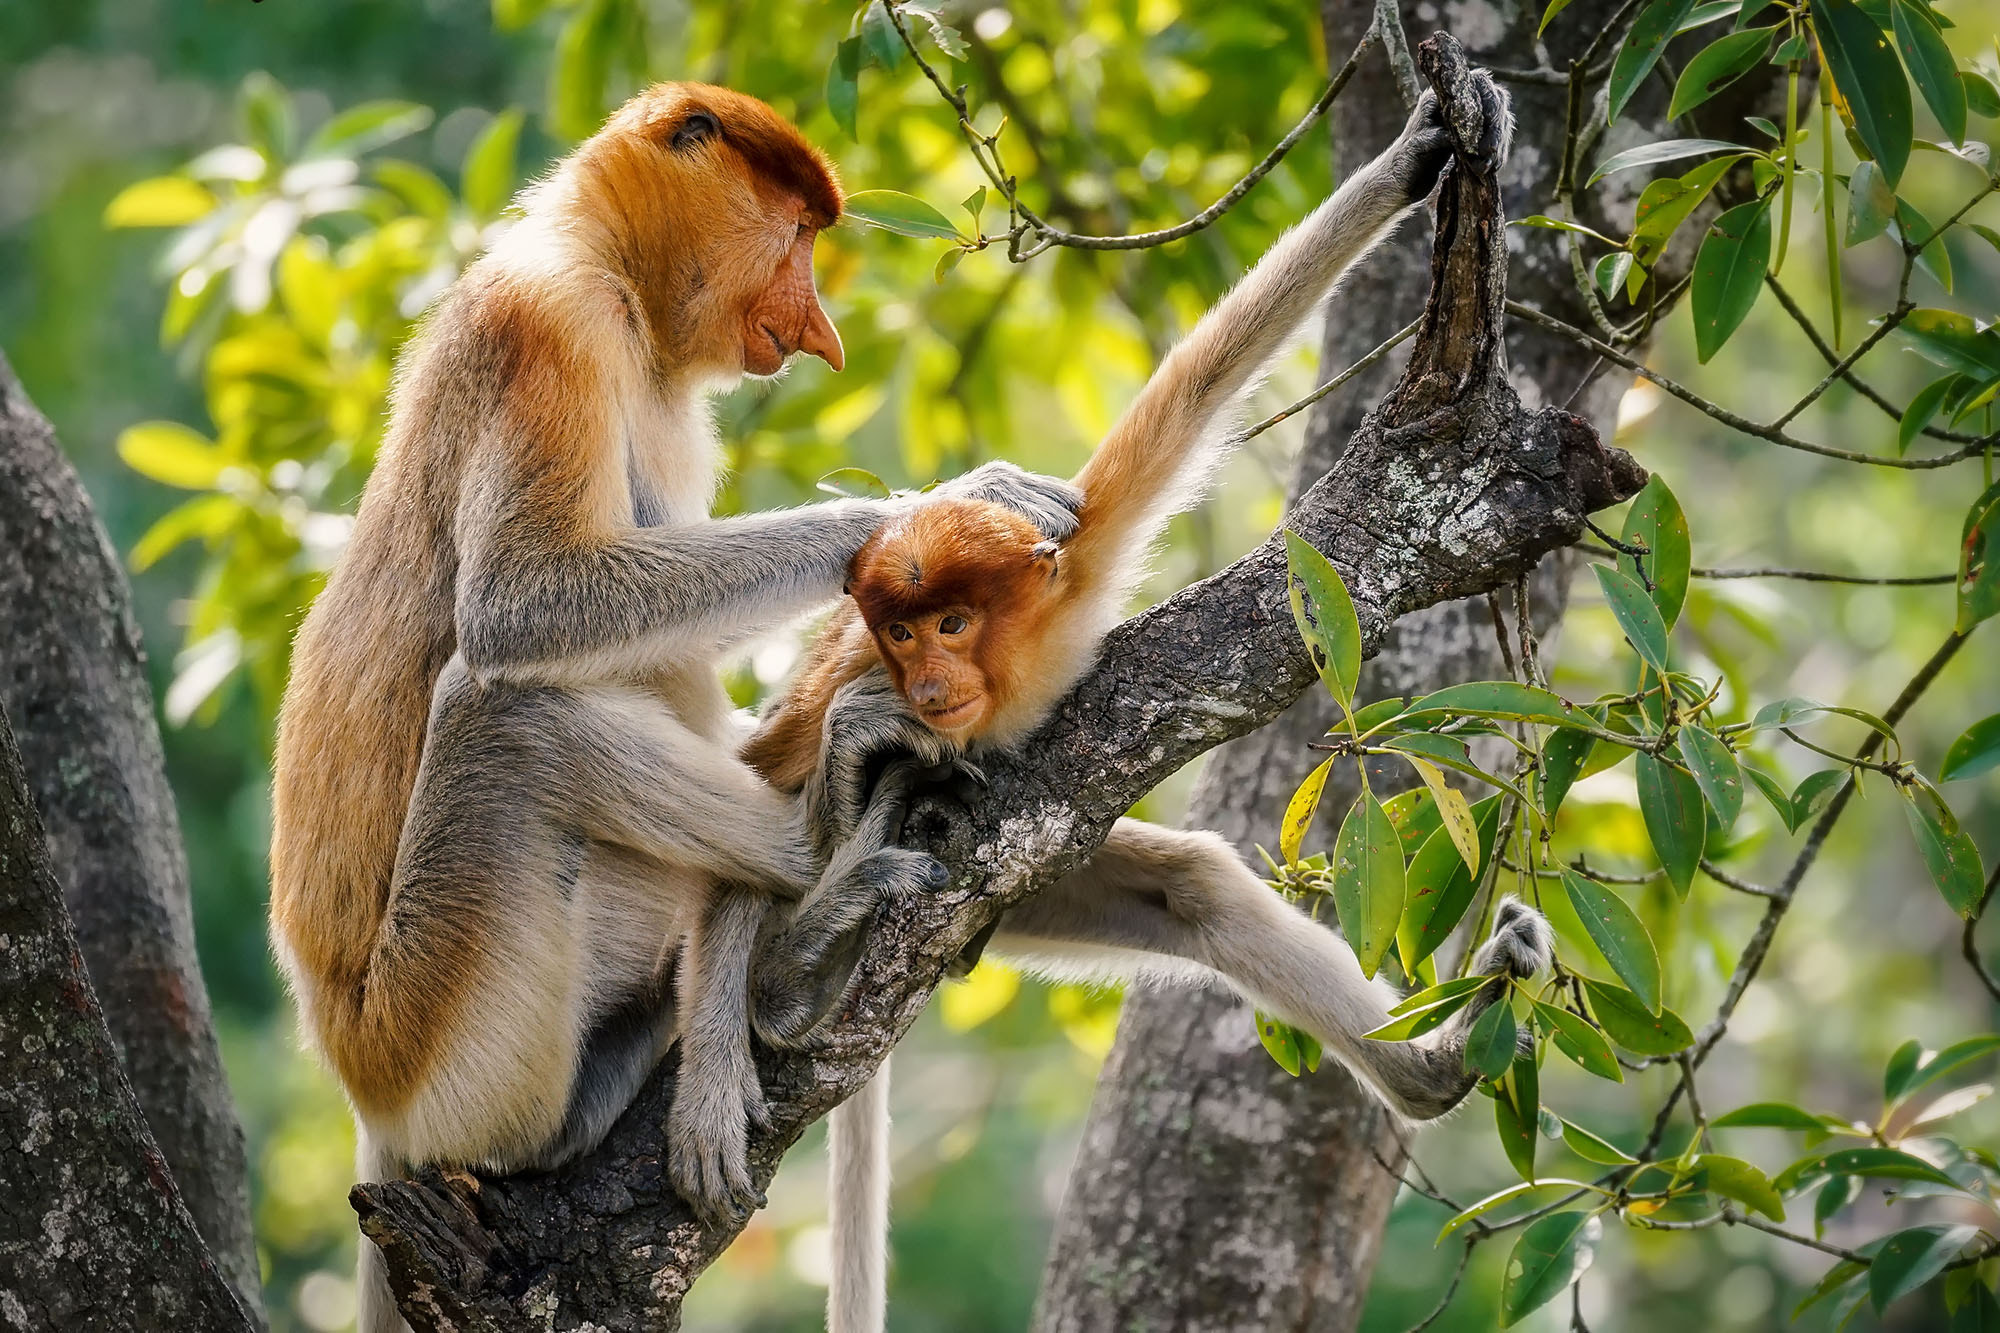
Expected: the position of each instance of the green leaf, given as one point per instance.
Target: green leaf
(1666, 150)
(1619, 935)
(1501, 699)
(419, 190)
(1877, 1163)
(1668, 202)
(1671, 804)
(843, 94)
(369, 125)
(1981, 97)
(1282, 1041)
(1368, 882)
(264, 108)
(1299, 812)
(1974, 752)
(1440, 888)
(1592, 1148)
(1923, 407)
(1934, 259)
(584, 51)
(905, 215)
(1517, 1113)
(1954, 341)
(1902, 1064)
(163, 201)
(1414, 1020)
(1562, 760)
(1729, 272)
(1611, 271)
(1627, 1021)
(1547, 1260)
(1734, 1178)
(169, 452)
(1548, 15)
(1931, 66)
(1640, 51)
(1577, 1039)
(1325, 616)
(1656, 522)
(1489, 1047)
(1913, 1257)
(1833, 1196)
(1947, 1061)
(205, 516)
(974, 205)
(1815, 791)
(1867, 81)
(1775, 793)
(880, 37)
(1506, 1196)
(1947, 850)
(1456, 813)
(486, 181)
(1457, 988)
(1716, 66)
(1981, 1312)
(1773, 1115)
(1413, 813)
(1979, 561)
(1871, 204)
(1715, 771)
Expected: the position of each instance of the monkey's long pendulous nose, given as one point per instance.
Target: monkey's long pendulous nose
(820, 337)
(928, 692)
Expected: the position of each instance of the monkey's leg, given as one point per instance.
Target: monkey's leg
(717, 1095)
(1151, 890)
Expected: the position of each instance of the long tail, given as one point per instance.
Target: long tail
(376, 1304)
(858, 1201)
(1162, 451)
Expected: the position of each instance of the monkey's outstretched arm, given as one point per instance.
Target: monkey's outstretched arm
(1163, 448)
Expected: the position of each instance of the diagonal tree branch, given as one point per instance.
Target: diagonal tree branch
(1451, 489)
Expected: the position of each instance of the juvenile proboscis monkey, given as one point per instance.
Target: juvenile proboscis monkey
(511, 830)
(966, 625)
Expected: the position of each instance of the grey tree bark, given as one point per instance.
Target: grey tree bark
(1212, 1190)
(94, 1235)
(1451, 488)
(73, 677)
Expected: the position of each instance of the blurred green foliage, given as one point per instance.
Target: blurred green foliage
(328, 168)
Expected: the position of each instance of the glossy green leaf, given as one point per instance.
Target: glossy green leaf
(1981, 97)
(1618, 934)
(1415, 816)
(1552, 1253)
(1562, 761)
(843, 94)
(1815, 791)
(1325, 616)
(1772, 1115)
(1902, 1064)
(1548, 15)
(1945, 1063)
(1979, 561)
(1734, 1178)
(1501, 699)
(1716, 66)
(1299, 811)
(486, 181)
(1676, 821)
(1489, 1046)
(1368, 882)
(1611, 271)
(1517, 1113)
(1868, 81)
(1931, 66)
(1934, 258)
(1871, 204)
(1591, 1148)
(1979, 1314)
(1636, 615)
(1729, 273)
(1576, 1038)
(204, 516)
(903, 214)
(1413, 1019)
(879, 37)
(1666, 203)
(1974, 752)
(1948, 850)
(1440, 888)
(172, 454)
(1281, 1040)
(1876, 1163)
(366, 126)
(1640, 51)
(1715, 771)
(1666, 150)
(1954, 341)
(1656, 522)
(1456, 988)
(1913, 1257)
(1836, 1194)
(1923, 408)
(1499, 1198)
(1626, 1021)
(1774, 792)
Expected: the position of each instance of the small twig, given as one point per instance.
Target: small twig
(1451, 1290)
(1388, 27)
(1381, 350)
(1500, 631)
(1524, 619)
(1819, 576)
(1736, 882)
(1970, 947)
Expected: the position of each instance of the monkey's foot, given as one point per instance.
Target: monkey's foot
(708, 1161)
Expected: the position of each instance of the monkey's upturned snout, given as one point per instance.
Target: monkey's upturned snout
(929, 692)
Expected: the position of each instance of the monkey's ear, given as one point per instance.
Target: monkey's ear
(695, 129)
(1051, 552)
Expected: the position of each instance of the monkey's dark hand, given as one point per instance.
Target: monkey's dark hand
(1426, 144)
(1050, 503)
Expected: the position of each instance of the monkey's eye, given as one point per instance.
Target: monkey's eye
(952, 625)
(698, 128)
(900, 633)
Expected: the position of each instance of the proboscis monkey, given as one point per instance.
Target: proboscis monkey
(965, 627)
(512, 835)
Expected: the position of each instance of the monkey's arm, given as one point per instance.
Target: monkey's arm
(1165, 445)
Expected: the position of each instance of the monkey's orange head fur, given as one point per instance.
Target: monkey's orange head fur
(955, 593)
(710, 202)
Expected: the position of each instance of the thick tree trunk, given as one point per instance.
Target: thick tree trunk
(1451, 489)
(72, 676)
(93, 1232)
(1211, 1189)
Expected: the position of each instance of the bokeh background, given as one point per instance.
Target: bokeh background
(1130, 113)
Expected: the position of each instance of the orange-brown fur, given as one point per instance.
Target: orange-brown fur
(638, 276)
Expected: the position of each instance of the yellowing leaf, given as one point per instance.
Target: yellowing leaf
(164, 201)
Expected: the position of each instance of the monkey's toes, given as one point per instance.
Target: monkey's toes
(1522, 943)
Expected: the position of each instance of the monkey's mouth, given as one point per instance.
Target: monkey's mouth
(955, 713)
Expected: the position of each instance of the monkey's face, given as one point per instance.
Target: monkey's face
(782, 314)
(936, 663)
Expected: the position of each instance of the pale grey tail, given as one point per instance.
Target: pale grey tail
(375, 1303)
(858, 1208)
